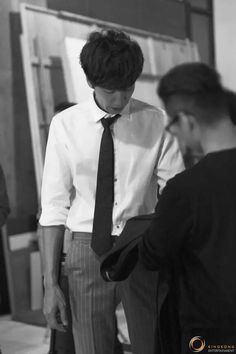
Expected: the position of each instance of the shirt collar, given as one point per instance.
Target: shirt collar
(98, 113)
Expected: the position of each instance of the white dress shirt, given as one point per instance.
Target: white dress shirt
(145, 156)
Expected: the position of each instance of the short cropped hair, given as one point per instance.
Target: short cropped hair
(111, 59)
(198, 87)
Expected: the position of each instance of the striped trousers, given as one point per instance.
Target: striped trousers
(94, 301)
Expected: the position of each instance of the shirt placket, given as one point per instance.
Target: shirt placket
(116, 205)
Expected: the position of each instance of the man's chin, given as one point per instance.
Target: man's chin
(115, 110)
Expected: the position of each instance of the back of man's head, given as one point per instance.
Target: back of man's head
(111, 60)
(198, 90)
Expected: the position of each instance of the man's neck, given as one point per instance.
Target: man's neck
(223, 137)
(98, 104)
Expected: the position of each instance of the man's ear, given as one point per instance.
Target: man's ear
(89, 83)
(187, 119)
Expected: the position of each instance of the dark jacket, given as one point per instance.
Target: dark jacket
(117, 264)
(192, 240)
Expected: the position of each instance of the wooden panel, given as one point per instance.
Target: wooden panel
(49, 39)
(166, 17)
(71, 29)
(34, 111)
(200, 4)
(145, 90)
(162, 57)
(200, 31)
(144, 44)
(169, 54)
(57, 81)
(76, 83)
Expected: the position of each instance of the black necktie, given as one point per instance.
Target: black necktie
(102, 222)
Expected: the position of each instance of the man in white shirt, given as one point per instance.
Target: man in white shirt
(145, 157)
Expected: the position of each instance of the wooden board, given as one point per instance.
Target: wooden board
(77, 88)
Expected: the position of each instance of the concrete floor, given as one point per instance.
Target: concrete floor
(20, 338)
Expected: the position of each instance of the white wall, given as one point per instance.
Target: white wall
(225, 40)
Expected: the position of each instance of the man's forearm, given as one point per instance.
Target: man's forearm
(51, 244)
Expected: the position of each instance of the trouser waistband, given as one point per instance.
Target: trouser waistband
(87, 236)
(81, 235)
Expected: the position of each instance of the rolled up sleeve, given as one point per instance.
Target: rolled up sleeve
(170, 161)
(57, 179)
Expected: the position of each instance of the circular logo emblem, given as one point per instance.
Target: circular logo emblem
(197, 344)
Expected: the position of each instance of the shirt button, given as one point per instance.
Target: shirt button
(116, 203)
(115, 179)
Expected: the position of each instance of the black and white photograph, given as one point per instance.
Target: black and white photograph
(117, 176)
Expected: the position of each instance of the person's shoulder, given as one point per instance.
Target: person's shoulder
(190, 180)
(141, 108)
(138, 105)
(67, 116)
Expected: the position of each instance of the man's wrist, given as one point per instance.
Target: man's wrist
(49, 281)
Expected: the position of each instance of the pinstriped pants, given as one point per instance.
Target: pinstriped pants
(93, 302)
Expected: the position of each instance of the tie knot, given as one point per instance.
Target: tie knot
(107, 122)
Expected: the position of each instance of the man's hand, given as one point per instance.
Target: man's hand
(54, 308)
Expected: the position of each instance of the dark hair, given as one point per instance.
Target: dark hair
(111, 59)
(59, 107)
(199, 89)
(231, 99)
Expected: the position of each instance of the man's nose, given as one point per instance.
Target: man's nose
(119, 98)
